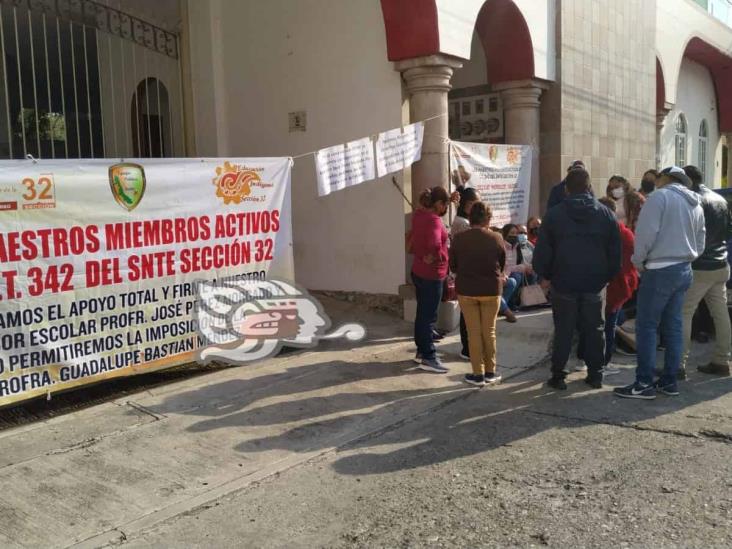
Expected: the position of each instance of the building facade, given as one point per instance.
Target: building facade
(624, 85)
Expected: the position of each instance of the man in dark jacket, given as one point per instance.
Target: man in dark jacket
(578, 252)
(711, 273)
(559, 191)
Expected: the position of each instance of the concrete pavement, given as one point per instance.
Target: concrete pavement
(103, 474)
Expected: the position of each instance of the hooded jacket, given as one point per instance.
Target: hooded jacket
(670, 228)
(579, 248)
(718, 225)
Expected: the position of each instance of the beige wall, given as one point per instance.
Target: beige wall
(608, 87)
(252, 62)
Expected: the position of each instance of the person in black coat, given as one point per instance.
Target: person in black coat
(578, 253)
(559, 191)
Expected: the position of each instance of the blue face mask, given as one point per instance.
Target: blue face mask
(523, 239)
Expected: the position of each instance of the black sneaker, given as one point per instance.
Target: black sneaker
(557, 383)
(668, 389)
(636, 390)
(595, 383)
(472, 379)
(492, 378)
(465, 355)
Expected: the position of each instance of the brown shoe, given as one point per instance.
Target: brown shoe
(714, 369)
(510, 317)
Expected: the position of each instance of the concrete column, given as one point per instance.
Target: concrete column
(521, 122)
(428, 81)
(660, 122)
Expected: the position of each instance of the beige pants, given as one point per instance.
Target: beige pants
(480, 320)
(711, 287)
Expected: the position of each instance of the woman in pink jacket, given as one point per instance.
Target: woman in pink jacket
(429, 270)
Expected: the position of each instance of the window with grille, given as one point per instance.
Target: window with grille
(702, 157)
(680, 159)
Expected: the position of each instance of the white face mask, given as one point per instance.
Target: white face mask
(618, 193)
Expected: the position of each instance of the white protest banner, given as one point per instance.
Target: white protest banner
(398, 149)
(344, 165)
(500, 173)
(98, 260)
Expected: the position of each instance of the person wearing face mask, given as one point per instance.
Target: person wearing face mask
(617, 189)
(648, 183)
(468, 197)
(429, 270)
(515, 269)
(527, 252)
(533, 225)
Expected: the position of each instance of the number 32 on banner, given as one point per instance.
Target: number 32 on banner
(41, 190)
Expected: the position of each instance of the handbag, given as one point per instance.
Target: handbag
(532, 295)
(449, 293)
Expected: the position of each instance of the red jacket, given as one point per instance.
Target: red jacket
(429, 238)
(621, 287)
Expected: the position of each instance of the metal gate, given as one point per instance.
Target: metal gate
(81, 79)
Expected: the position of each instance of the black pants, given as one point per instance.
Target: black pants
(464, 335)
(586, 313)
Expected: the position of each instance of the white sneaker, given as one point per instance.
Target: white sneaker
(580, 366)
(611, 370)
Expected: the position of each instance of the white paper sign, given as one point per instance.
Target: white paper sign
(396, 150)
(500, 173)
(344, 165)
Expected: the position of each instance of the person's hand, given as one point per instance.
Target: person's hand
(545, 285)
(429, 259)
(529, 270)
(455, 197)
(504, 278)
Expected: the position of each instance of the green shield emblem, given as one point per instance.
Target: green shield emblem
(127, 182)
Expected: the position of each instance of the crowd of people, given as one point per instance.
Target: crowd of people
(655, 252)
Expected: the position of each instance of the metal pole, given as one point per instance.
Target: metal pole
(147, 104)
(52, 120)
(101, 95)
(88, 91)
(35, 94)
(20, 80)
(114, 103)
(63, 102)
(137, 102)
(5, 79)
(76, 97)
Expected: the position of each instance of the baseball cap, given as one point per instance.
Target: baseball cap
(678, 175)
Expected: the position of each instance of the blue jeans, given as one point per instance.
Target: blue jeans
(509, 288)
(660, 298)
(429, 295)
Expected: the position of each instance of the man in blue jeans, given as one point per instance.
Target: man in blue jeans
(669, 236)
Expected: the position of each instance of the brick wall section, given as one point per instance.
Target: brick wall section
(607, 69)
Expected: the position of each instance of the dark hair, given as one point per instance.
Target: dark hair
(507, 229)
(653, 172)
(480, 214)
(609, 203)
(467, 194)
(695, 175)
(430, 197)
(577, 181)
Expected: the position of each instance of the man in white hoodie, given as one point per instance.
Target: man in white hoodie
(670, 235)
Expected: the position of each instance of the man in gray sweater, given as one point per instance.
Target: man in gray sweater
(670, 235)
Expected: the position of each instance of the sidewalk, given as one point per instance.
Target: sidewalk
(90, 477)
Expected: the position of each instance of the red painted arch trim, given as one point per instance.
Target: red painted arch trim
(411, 28)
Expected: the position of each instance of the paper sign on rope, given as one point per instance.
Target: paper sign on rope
(398, 149)
(344, 165)
(99, 259)
(500, 173)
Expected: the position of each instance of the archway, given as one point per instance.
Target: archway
(150, 120)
